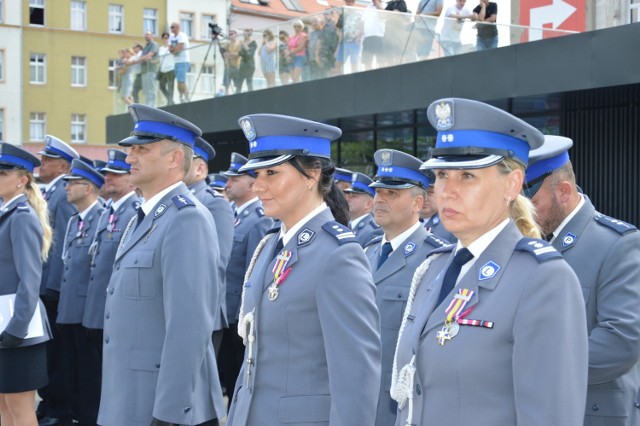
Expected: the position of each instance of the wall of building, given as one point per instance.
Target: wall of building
(11, 84)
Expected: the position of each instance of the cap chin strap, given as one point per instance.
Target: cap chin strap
(471, 151)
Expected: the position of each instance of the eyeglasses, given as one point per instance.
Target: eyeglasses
(76, 182)
(173, 26)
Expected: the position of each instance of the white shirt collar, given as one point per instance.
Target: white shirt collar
(48, 186)
(357, 220)
(5, 206)
(84, 213)
(287, 235)
(240, 209)
(148, 205)
(397, 241)
(116, 204)
(567, 219)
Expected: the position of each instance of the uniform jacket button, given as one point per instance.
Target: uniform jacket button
(595, 407)
(418, 389)
(107, 315)
(106, 339)
(187, 409)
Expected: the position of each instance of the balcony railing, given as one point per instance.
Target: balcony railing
(336, 41)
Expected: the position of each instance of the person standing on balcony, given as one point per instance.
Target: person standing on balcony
(425, 26)
(166, 75)
(486, 11)
(247, 53)
(149, 69)
(179, 46)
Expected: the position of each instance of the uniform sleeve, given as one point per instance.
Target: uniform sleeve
(255, 235)
(26, 241)
(351, 331)
(550, 348)
(189, 259)
(60, 218)
(614, 342)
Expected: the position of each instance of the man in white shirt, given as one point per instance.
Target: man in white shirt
(179, 46)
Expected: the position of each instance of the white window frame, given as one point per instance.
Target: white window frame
(186, 23)
(37, 4)
(2, 56)
(150, 20)
(207, 79)
(205, 20)
(634, 11)
(78, 128)
(79, 71)
(38, 68)
(113, 73)
(37, 126)
(116, 14)
(1, 124)
(78, 15)
(1, 11)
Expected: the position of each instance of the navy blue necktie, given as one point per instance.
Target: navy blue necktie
(140, 217)
(451, 276)
(384, 253)
(278, 248)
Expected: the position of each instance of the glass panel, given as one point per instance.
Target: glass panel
(359, 122)
(395, 118)
(400, 139)
(356, 152)
(547, 124)
(538, 103)
(426, 141)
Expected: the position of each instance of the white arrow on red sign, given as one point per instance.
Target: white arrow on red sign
(554, 14)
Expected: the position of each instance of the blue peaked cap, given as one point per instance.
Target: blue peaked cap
(56, 148)
(275, 139)
(474, 135)
(116, 162)
(360, 184)
(342, 175)
(217, 180)
(14, 157)
(236, 162)
(81, 170)
(203, 149)
(552, 155)
(399, 170)
(153, 125)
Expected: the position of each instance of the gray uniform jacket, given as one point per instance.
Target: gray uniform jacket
(77, 267)
(222, 214)
(605, 254)
(250, 226)
(392, 281)
(366, 230)
(158, 358)
(103, 252)
(529, 369)
(21, 266)
(435, 226)
(316, 353)
(60, 211)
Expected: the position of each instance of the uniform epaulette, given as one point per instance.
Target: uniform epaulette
(539, 249)
(182, 201)
(443, 249)
(136, 204)
(273, 230)
(434, 241)
(22, 207)
(259, 211)
(340, 232)
(374, 224)
(211, 191)
(374, 240)
(619, 226)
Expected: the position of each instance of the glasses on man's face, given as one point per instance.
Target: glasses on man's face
(173, 26)
(76, 182)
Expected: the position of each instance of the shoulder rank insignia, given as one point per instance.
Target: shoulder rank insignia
(373, 241)
(339, 232)
(136, 204)
(374, 225)
(361, 224)
(434, 241)
(619, 226)
(22, 207)
(305, 236)
(182, 201)
(539, 249)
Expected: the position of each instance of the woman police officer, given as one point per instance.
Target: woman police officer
(308, 316)
(25, 238)
(494, 330)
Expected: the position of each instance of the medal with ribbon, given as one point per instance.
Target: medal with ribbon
(111, 223)
(80, 234)
(280, 273)
(454, 311)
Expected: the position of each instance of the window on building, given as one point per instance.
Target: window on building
(1, 124)
(1, 65)
(113, 74)
(78, 128)
(116, 18)
(634, 11)
(293, 5)
(1, 9)
(36, 12)
(150, 21)
(205, 31)
(78, 71)
(79, 15)
(37, 126)
(186, 23)
(38, 68)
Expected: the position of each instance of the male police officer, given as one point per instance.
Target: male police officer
(342, 178)
(360, 199)
(394, 256)
(429, 214)
(83, 186)
(605, 254)
(121, 207)
(223, 217)
(249, 227)
(217, 181)
(56, 159)
(158, 358)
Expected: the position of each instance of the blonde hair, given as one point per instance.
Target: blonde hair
(39, 205)
(521, 210)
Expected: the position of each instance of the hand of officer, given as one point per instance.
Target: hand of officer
(9, 340)
(156, 422)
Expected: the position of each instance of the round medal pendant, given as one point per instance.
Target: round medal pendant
(273, 293)
(453, 329)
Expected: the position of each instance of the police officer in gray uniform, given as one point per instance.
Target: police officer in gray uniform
(429, 214)
(222, 216)
(394, 256)
(493, 333)
(83, 185)
(360, 199)
(56, 158)
(343, 178)
(605, 254)
(121, 207)
(217, 181)
(308, 314)
(25, 239)
(250, 225)
(158, 359)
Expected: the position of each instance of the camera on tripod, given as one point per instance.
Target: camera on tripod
(216, 30)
